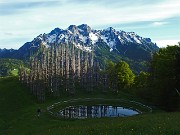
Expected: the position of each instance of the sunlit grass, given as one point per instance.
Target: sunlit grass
(18, 117)
(14, 72)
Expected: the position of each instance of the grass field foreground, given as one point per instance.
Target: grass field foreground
(18, 117)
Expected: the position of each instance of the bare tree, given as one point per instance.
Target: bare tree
(60, 66)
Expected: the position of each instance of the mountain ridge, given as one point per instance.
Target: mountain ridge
(108, 43)
(84, 34)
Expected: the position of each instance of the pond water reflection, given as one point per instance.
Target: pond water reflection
(96, 111)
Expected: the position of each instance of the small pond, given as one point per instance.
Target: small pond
(96, 111)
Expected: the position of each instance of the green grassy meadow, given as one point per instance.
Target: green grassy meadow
(18, 117)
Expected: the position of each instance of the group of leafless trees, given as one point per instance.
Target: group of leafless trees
(59, 68)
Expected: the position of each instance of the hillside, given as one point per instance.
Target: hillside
(9, 66)
(18, 117)
(7, 53)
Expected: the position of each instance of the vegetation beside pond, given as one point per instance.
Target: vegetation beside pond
(18, 116)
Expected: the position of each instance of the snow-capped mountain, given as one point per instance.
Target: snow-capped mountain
(85, 38)
(108, 44)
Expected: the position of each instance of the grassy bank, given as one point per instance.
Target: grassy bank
(18, 117)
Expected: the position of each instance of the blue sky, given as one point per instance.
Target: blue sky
(23, 20)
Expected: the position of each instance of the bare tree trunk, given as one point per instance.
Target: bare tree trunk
(59, 66)
(71, 78)
(78, 65)
(51, 72)
(96, 73)
(55, 76)
(66, 64)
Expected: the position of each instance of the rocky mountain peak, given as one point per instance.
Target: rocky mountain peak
(111, 29)
(84, 29)
(73, 29)
(56, 31)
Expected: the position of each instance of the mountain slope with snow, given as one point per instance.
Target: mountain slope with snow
(83, 35)
(109, 44)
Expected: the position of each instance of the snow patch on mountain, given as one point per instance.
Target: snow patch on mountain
(51, 38)
(137, 40)
(84, 48)
(61, 36)
(85, 38)
(93, 37)
(111, 43)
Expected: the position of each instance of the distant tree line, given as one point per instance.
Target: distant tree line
(8, 65)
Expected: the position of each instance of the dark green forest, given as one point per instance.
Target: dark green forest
(160, 86)
(9, 67)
